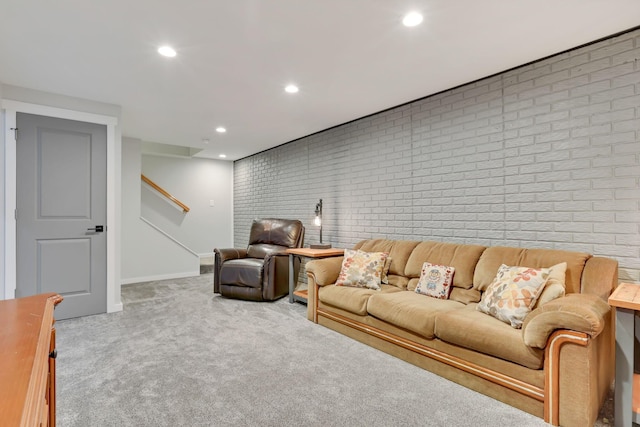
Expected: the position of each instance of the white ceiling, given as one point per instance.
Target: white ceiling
(350, 58)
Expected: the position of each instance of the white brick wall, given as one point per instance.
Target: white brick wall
(546, 155)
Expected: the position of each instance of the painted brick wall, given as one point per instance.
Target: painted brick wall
(546, 155)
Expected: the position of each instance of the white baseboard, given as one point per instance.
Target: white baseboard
(160, 277)
(115, 308)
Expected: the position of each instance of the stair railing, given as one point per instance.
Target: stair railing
(162, 191)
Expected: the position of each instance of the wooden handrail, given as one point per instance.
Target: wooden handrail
(162, 191)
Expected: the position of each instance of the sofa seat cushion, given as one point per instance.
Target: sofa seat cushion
(478, 331)
(242, 272)
(351, 299)
(410, 311)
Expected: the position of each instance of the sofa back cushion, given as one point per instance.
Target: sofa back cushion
(493, 257)
(462, 257)
(399, 252)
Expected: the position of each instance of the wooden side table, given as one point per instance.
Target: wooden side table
(626, 300)
(301, 295)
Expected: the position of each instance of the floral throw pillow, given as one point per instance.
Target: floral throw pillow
(513, 293)
(435, 280)
(362, 269)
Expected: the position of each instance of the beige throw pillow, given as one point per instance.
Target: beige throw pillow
(385, 271)
(555, 287)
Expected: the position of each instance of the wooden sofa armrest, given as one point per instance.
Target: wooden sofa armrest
(576, 312)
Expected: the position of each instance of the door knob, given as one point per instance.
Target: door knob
(97, 228)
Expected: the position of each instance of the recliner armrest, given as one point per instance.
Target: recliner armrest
(577, 312)
(272, 254)
(324, 271)
(275, 274)
(226, 254)
(222, 255)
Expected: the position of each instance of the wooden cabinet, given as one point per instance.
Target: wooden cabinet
(27, 361)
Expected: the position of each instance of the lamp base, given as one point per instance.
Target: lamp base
(323, 246)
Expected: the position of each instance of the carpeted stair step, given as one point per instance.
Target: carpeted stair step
(206, 269)
(207, 264)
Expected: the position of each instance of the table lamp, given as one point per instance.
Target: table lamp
(318, 221)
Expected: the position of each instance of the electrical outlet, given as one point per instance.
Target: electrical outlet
(211, 203)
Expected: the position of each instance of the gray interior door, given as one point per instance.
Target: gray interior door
(61, 199)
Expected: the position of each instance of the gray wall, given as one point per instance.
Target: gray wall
(545, 155)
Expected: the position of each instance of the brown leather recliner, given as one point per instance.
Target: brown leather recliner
(260, 272)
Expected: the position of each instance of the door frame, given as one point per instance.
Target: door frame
(11, 109)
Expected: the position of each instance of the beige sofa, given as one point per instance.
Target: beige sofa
(559, 366)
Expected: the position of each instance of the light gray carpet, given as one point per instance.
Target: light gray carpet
(180, 356)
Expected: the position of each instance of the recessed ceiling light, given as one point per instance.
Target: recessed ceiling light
(222, 156)
(412, 19)
(291, 89)
(220, 129)
(167, 51)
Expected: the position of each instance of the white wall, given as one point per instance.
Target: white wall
(195, 182)
(59, 101)
(17, 99)
(139, 252)
(146, 253)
